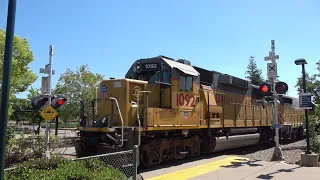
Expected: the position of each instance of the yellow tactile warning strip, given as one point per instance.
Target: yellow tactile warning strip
(199, 170)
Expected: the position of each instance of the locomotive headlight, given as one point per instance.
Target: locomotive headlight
(136, 67)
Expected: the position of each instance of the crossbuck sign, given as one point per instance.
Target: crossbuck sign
(272, 67)
(272, 56)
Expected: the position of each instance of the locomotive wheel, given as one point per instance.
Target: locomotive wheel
(205, 144)
(144, 159)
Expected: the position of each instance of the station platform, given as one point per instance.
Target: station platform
(232, 168)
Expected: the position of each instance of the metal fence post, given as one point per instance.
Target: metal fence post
(135, 160)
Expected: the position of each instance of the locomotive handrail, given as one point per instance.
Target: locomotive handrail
(139, 123)
(122, 129)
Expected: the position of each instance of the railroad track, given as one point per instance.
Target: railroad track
(291, 150)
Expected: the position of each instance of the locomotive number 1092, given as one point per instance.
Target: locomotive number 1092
(185, 99)
(151, 66)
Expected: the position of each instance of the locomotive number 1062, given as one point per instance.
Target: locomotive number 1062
(185, 100)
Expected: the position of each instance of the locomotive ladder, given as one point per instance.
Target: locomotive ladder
(146, 115)
(115, 99)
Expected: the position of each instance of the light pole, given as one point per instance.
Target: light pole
(302, 62)
(5, 87)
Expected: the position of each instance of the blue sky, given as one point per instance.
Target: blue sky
(109, 35)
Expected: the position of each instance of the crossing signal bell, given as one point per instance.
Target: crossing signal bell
(281, 87)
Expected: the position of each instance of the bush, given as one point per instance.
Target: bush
(314, 139)
(313, 132)
(59, 168)
(27, 147)
(10, 135)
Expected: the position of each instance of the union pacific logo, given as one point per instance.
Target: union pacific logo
(135, 91)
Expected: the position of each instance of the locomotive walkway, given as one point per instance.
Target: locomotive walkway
(232, 168)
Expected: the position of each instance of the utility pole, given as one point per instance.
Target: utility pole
(5, 85)
(272, 75)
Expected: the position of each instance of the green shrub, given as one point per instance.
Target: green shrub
(10, 135)
(62, 169)
(313, 134)
(314, 139)
(26, 148)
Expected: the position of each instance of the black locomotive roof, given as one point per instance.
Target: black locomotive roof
(182, 65)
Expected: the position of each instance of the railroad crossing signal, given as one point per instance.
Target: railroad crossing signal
(272, 56)
(265, 89)
(59, 101)
(46, 70)
(281, 87)
(49, 113)
(42, 101)
(39, 102)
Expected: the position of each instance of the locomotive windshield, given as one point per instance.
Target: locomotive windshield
(150, 71)
(162, 69)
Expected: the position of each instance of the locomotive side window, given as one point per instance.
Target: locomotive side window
(166, 76)
(186, 83)
(189, 84)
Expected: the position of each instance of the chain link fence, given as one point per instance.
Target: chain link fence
(124, 161)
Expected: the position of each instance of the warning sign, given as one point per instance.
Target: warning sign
(48, 113)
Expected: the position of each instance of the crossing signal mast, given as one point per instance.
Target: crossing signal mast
(272, 91)
(47, 103)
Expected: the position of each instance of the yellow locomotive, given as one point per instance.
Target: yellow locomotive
(173, 110)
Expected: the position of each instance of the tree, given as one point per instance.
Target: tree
(18, 106)
(22, 110)
(77, 86)
(21, 77)
(253, 73)
(312, 84)
(34, 117)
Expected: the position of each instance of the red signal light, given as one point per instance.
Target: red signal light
(265, 88)
(281, 87)
(43, 101)
(60, 102)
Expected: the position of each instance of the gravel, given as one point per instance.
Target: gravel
(291, 151)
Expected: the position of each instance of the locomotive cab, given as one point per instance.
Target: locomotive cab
(172, 94)
(157, 94)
